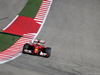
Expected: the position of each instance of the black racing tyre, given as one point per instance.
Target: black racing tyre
(48, 51)
(26, 46)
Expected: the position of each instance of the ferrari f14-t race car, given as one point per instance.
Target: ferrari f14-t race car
(37, 48)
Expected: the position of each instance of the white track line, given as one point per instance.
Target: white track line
(11, 22)
(1, 62)
(43, 21)
(10, 59)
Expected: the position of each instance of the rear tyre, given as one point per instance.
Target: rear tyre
(26, 46)
(48, 51)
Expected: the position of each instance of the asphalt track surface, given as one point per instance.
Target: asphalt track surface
(72, 30)
(8, 10)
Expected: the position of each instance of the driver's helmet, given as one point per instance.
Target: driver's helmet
(38, 43)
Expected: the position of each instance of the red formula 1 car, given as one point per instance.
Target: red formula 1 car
(37, 48)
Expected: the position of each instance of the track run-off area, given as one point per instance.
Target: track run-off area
(26, 27)
(72, 30)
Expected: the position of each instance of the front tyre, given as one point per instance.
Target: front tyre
(48, 51)
(26, 46)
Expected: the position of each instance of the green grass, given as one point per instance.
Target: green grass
(31, 8)
(7, 40)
